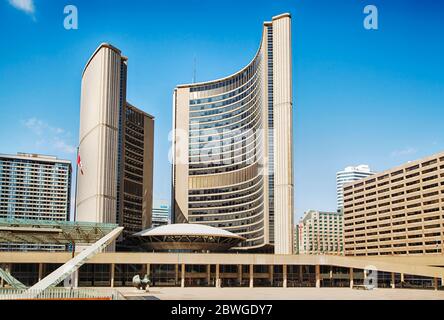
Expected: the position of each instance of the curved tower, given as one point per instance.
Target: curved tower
(100, 104)
(232, 147)
(115, 148)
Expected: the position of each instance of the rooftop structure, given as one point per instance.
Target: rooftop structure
(189, 237)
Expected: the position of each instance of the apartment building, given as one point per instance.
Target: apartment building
(34, 187)
(397, 212)
(321, 232)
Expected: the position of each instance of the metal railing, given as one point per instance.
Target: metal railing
(60, 294)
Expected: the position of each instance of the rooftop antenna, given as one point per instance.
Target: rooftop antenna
(194, 70)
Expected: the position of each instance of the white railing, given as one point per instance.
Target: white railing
(60, 294)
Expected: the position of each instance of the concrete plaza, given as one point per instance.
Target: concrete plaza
(174, 293)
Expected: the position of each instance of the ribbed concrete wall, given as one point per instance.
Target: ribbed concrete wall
(282, 100)
(99, 120)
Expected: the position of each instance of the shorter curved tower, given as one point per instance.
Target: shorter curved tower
(115, 148)
(232, 147)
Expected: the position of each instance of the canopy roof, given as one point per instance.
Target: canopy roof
(187, 229)
(30, 231)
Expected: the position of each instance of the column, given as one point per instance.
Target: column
(239, 274)
(176, 267)
(2, 283)
(435, 283)
(40, 271)
(402, 278)
(182, 281)
(393, 283)
(251, 276)
(270, 274)
(301, 269)
(351, 277)
(284, 276)
(208, 274)
(318, 276)
(217, 276)
(8, 269)
(76, 278)
(112, 275)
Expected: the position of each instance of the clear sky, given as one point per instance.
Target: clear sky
(360, 96)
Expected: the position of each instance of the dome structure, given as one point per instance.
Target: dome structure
(187, 237)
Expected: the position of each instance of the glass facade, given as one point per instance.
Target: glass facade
(34, 187)
(232, 148)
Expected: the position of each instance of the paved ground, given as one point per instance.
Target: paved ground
(280, 294)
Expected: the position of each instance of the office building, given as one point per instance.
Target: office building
(34, 187)
(397, 212)
(115, 148)
(321, 233)
(349, 174)
(232, 148)
(135, 176)
(161, 213)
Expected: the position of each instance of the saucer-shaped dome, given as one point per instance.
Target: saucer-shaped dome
(189, 237)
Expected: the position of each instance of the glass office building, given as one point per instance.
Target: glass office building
(232, 147)
(161, 213)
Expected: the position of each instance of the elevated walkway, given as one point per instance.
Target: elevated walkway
(13, 282)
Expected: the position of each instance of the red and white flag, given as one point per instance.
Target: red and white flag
(79, 164)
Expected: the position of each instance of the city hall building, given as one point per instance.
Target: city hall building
(397, 212)
(232, 148)
(115, 148)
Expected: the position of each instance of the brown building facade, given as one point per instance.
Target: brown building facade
(135, 177)
(397, 212)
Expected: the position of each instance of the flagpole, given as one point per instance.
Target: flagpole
(77, 174)
(73, 277)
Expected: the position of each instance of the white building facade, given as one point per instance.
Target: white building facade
(349, 174)
(321, 233)
(161, 213)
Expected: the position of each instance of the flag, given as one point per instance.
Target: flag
(79, 164)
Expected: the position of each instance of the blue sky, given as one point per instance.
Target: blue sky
(360, 96)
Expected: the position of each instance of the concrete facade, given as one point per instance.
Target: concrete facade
(397, 212)
(115, 147)
(321, 232)
(233, 270)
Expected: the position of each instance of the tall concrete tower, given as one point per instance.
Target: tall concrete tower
(115, 148)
